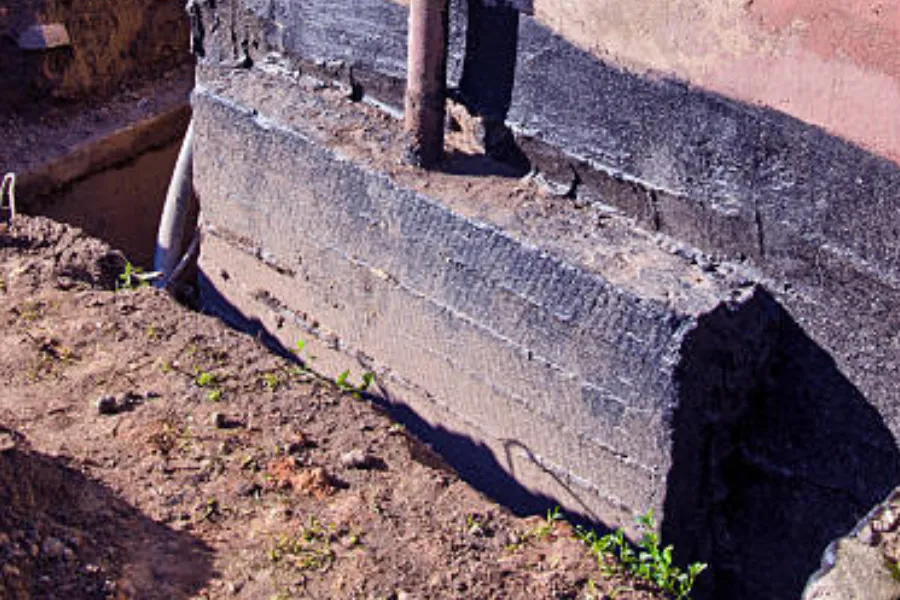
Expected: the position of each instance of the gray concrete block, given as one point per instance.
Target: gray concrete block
(582, 382)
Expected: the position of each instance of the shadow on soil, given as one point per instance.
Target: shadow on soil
(70, 536)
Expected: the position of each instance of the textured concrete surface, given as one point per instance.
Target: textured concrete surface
(497, 332)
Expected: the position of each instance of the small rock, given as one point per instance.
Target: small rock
(7, 441)
(888, 520)
(44, 37)
(53, 547)
(107, 405)
(219, 420)
(356, 459)
(869, 536)
(249, 489)
(298, 444)
(11, 571)
(859, 572)
(235, 587)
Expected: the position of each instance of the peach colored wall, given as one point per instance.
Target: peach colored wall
(831, 63)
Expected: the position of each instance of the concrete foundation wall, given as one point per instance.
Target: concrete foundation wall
(708, 325)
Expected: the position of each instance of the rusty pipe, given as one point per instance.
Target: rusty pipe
(426, 82)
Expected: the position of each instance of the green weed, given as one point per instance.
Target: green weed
(539, 531)
(132, 278)
(205, 379)
(647, 561)
(356, 390)
(209, 380)
(310, 550)
(271, 380)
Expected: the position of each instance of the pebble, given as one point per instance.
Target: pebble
(219, 420)
(356, 459)
(53, 547)
(107, 405)
(235, 587)
(249, 489)
(7, 442)
(11, 571)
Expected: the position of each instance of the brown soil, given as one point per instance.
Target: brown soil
(218, 469)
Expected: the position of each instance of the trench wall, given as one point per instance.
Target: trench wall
(110, 43)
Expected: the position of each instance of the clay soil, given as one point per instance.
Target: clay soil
(147, 451)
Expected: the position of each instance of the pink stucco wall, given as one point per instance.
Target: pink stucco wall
(831, 63)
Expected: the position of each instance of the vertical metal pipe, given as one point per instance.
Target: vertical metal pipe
(426, 82)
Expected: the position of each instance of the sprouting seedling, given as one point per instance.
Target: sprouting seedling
(646, 561)
(367, 378)
(341, 381)
(132, 278)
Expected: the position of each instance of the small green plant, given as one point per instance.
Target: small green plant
(210, 381)
(356, 390)
(539, 531)
(301, 346)
(367, 378)
(544, 529)
(131, 278)
(271, 381)
(205, 379)
(647, 561)
(310, 550)
(342, 382)
(354, 538)
(893, 568)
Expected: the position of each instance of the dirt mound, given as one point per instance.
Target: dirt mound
(149, 452)
(64, 535)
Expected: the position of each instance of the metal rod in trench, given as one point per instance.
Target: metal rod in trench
(426, 82)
